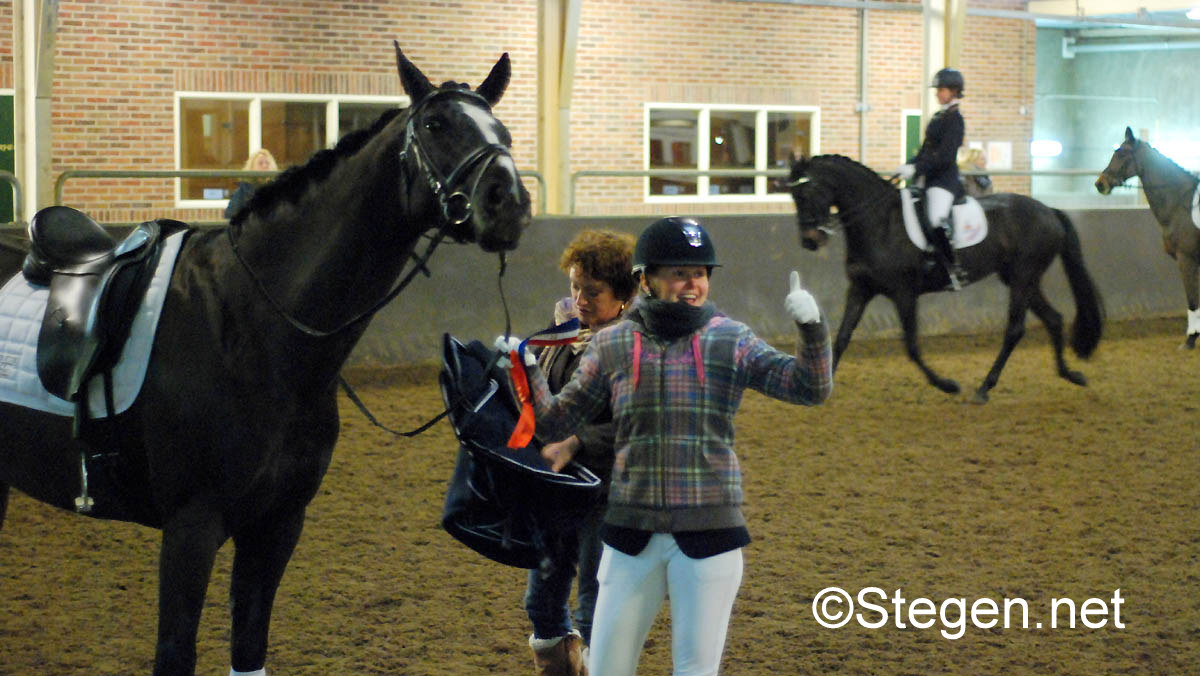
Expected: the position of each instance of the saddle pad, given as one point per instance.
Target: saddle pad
(1196, 206)
(970, 223)
(22, 306)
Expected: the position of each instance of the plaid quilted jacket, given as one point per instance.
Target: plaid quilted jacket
(673, 404)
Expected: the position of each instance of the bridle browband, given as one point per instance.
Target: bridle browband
(445, 188)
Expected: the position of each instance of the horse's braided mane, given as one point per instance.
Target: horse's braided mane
(292, 183)
(854, 164)
(1158, 153)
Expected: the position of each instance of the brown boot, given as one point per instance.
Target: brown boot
(562, 656)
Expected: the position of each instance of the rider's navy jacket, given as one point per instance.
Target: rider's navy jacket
(937, 160)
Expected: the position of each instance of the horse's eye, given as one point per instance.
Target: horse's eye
(433, 124)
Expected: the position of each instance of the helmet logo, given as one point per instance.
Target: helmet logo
(693, 234)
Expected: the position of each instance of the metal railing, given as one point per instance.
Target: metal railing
(18, 200)
(217, 173)
(779, 173)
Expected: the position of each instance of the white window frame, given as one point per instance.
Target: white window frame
(254, 119)
(702, 153)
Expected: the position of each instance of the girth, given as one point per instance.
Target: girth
(96, 287)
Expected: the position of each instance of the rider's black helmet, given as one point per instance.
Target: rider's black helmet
(674, 241)
(950, 79)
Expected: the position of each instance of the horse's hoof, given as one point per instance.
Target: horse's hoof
(1190, 343)
(981, 396)
(1075, 377)
(946, 385)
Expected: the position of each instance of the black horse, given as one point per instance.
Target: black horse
(236, 422)
(1023, 238)
(1170, 190)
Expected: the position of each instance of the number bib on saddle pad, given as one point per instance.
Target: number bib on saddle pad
(504, 503)
(22, 308)
(970, 223)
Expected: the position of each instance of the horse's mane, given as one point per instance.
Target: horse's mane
(290, 185)
(841, 161)
(1155, 152)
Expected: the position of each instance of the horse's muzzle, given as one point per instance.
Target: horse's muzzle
(1103, 186)
(502, 206)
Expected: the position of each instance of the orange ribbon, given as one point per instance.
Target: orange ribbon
(523, 432)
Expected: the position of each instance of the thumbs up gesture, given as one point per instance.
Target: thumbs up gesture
(800, 304)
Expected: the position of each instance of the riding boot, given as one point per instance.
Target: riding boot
(562, 656)
(947, 255)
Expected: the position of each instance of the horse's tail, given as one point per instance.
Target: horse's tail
(1089, 308)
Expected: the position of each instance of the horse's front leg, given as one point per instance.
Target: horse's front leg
(906, 307)
(1187, 271)
(190, 541)
(857, 297)
(261, 554)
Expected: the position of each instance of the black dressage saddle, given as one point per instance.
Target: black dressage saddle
(96, 287)
(504, 503)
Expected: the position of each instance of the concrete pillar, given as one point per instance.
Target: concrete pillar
(558, 33)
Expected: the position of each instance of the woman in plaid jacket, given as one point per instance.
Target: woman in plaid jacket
(674, 372)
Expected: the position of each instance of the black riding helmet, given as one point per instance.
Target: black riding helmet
(950, 79)
(674, 241)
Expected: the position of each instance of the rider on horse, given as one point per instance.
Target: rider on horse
(936, 163)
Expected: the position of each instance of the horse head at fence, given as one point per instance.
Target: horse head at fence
(1122, 166)
(228, 422)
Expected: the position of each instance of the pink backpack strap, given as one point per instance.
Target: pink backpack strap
(697, 357)
(637, 358)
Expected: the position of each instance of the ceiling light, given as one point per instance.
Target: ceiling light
(1045, 148)
(1193, 14)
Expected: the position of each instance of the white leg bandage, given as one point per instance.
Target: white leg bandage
(1193, 321)
(260, 672)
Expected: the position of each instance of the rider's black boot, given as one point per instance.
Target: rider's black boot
(947, 255)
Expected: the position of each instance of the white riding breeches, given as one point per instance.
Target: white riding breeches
(633, 588)
(938, 202)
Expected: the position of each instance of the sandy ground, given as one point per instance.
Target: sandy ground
(1049, 491)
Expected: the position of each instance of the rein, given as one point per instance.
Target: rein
(462, 397)
(419, 260)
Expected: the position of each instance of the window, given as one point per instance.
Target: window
(724, 137)
(219, 131)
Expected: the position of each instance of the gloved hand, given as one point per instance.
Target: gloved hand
(800, 304)
(906, 172)
(507, 345)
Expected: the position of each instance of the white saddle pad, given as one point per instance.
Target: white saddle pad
(22, 306)
(970, 223)
(1196, 206)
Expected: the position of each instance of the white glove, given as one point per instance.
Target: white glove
(906, 172)
(507, 345)
(800, 304)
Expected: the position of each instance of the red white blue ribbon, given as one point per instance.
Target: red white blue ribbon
(561, 334)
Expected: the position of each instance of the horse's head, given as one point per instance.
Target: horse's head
(1121, 167)
(813, 202)
(457, 158)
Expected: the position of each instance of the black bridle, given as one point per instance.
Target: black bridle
(456, 208)
(456, 204)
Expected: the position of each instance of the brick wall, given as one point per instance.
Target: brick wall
(118, 65)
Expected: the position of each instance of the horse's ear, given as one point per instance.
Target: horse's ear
(415, 84)
(497, 81)
(1129, 135)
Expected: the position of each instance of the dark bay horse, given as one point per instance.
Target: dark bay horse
(1170, 190)
(1023, 238)
(236, 421)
